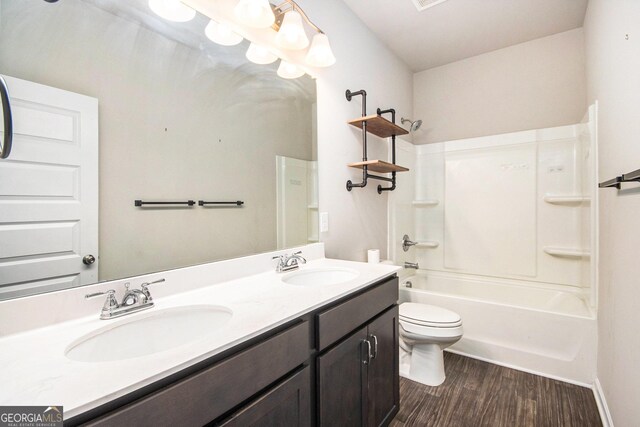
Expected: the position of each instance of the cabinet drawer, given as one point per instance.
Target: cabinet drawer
(287, 404)
(205, 396)
(338, 321)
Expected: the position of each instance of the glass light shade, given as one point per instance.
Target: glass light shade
(222, 34)
(287, 70)
(260, 55)
(291, 34)
(320, 53)
(172, 10)
(255, 13)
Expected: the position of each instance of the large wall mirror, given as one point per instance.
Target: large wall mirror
(111, 104)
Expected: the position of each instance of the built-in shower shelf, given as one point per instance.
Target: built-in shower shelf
(567, 252)
(379, 166)
(566, 200)
(379, 126)
(314, 206)
(425, 203)
(428, 244)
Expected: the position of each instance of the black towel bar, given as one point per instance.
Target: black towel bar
(140, 203)
(236, 203)
(625, 177)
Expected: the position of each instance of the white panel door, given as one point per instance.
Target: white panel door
(49, 191)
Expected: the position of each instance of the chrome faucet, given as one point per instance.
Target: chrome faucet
(411, 265)
(132, 297)
(289, 262)
(134, 300)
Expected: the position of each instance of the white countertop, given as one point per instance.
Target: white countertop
(35, 371)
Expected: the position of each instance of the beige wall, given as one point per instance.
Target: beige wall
(176, 123)
(358, 219)
(538, 84)
(613, 75)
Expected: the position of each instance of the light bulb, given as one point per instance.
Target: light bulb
(172, 10)
(291, 34)
(260, 55)
(221, 33)
(287, 70)
(320, 53)
(255, 13)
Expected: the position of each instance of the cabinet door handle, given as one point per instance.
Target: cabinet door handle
(368, 356)
(375, 346)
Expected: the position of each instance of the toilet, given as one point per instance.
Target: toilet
(425, 331)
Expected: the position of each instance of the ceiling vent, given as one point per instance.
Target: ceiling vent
(426, 4)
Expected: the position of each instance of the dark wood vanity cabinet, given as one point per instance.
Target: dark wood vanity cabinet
(383, 371)
(358, 378)
(287, 404)
(335, 366)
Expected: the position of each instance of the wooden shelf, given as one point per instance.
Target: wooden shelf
(378, 166)
(379, 126)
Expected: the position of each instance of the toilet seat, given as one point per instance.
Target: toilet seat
(428, 316)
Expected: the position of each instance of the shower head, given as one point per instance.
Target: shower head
(415, 125)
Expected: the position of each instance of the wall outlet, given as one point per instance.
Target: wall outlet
(324, 222)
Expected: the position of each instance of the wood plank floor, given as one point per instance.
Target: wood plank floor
(477, 393)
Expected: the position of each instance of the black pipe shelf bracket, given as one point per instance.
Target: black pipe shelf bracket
(236, 203)
(383, 128)
(618, 180)
(140, 203)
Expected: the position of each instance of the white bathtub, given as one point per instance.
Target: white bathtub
(543, 331)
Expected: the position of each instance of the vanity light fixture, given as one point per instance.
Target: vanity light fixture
(255, 13)
(320, 53)
(222, 34)
(291, 34)
(287, 70)
(260, 55)
(287, 19)
(172, 10)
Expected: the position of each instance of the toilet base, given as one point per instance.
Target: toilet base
(425, 364)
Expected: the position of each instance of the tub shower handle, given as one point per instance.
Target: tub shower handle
(407, 243)
(368, 355)
(375, 346)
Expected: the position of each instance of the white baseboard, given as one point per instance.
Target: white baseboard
(601, 401)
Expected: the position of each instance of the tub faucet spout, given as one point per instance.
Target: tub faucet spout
(413, 265)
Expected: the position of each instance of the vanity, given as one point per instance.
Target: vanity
(315, 346)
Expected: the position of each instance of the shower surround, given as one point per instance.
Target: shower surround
(506, 231)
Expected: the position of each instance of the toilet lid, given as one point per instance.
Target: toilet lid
(428, 315)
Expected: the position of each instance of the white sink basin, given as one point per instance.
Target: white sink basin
(320, 276)
(154, 332)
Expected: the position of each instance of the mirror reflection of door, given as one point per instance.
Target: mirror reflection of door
(297, 194)
(49, 191)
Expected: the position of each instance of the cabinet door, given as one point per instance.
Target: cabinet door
(342, 383)
(383, 400)
(287, 404)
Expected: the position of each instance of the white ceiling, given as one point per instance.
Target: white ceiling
(458, 29)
